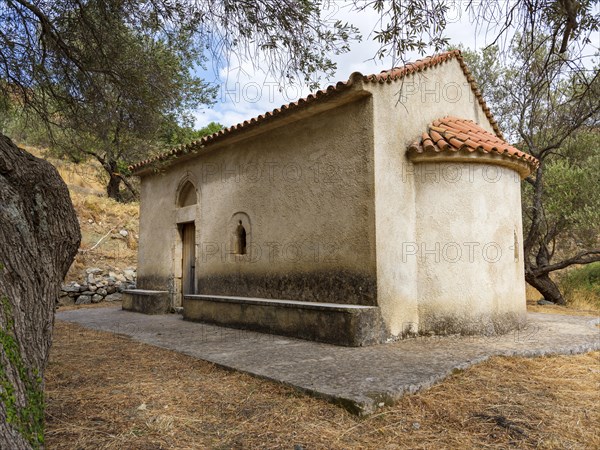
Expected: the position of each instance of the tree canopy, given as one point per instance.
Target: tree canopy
(110, 78)
(293, 39)
(118, 123)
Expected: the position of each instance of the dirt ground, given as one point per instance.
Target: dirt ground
(108, 392)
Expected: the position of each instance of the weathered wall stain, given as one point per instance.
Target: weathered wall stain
(327, 286)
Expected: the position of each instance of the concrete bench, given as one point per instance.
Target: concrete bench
(340, 324)
(146, 301)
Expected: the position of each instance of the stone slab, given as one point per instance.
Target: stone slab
(361, 379)
(144, 292)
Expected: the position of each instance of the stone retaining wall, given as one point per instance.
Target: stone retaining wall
(99, 285)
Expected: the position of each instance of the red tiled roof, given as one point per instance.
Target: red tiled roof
(386, 76)
(453, 135)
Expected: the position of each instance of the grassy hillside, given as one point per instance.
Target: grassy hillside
(102, 220)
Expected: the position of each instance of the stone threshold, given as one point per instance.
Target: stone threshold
(147, 301)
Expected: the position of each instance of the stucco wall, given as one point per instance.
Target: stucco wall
(305, 195)
(468, 248)
(411, 212)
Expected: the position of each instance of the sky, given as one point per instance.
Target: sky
(245, 93)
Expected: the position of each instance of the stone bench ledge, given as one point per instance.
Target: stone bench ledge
(147, 301)
(340, 324)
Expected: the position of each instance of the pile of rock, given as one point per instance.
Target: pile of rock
(99, 285)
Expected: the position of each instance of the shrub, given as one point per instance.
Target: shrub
(581, 286)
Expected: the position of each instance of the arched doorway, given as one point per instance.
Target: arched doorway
(187, 197)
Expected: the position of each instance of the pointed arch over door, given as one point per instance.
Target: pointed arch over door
(187, 195)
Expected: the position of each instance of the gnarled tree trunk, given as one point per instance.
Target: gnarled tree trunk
(113, 188)
(39, 237)
(548, 288)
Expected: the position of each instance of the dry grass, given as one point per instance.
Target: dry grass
(584, 300)
(106, 211)
(531, 293)
(570, 310)
(89, 306)
(580, 304)
(84, 177)
(108, 392)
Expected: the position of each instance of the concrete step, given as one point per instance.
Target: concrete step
(334, 323)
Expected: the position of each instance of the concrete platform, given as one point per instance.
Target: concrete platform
(333, 323)
(361, 379)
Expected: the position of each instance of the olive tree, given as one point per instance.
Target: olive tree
(550, 109)
(39, 237)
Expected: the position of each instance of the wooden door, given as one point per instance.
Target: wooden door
(188, 237)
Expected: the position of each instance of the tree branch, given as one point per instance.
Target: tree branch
(48, 30)
(581, 258)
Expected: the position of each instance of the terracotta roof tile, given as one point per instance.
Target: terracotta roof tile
(453, 135)
(386, 76)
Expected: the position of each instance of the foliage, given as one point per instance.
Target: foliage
(572, 204)
(108, 77)
(173, 134)
(5, 112)
(581, 286)
(23, 127)
(118, 121)
(419, 25)
(586, 277)
(291, 37)
(539, 98)
(404, 26)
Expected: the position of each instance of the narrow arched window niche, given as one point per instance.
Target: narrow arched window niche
(187, 195)
(240, 233)
(240, 239)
